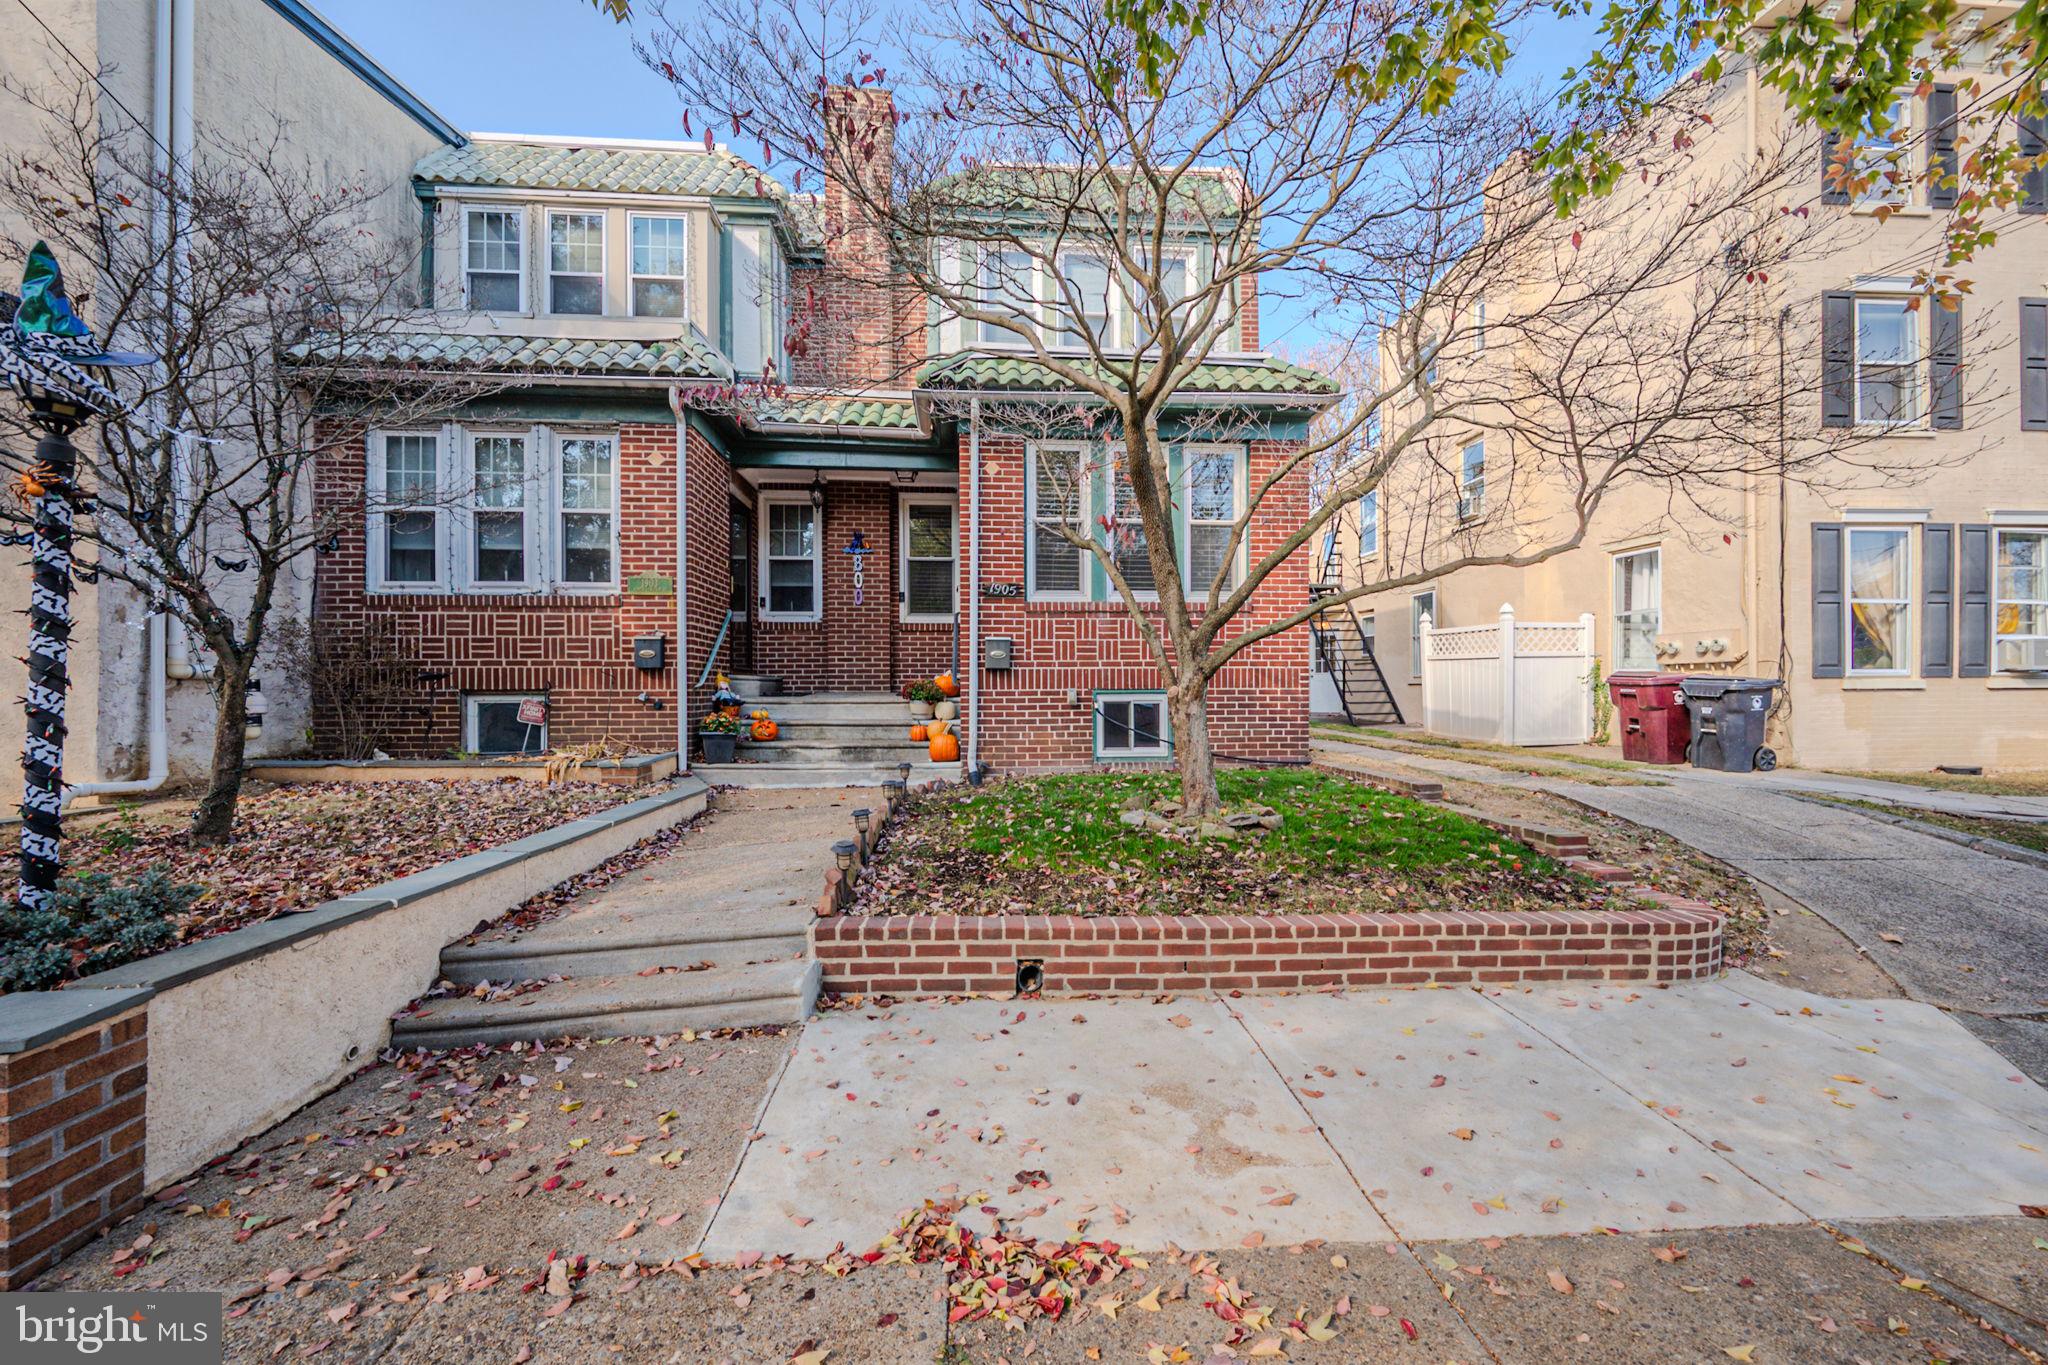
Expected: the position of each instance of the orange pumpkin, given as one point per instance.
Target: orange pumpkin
(765, 730)
(917, 734)
(944, 682)
(945, 747)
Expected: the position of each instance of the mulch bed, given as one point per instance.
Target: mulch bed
(1056, 845)
(299, 845)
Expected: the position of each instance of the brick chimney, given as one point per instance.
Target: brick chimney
(866, 335)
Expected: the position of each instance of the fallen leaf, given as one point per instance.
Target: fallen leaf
(1559, 1282)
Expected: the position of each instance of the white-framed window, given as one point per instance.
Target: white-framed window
(493, 260)
(1880, 604)
(587, 503)
(1421, 605)
(659, 265)
(1087, 305)
(499, 505)
(1005, 282)
(1638, 607)
(408, 522)
(792, 582)
(576, 263)
(1369, 525)
(1472, 481)
(927, 565)
(1889, 372)
(1215, 478)
(1131, 725)
(1369, 633)
(1887, 153)
(1128, 544)
(494, 724)
(1176, 273)
(2019, 608)
(1053, 484)
(1429, 353)
(1478, 326)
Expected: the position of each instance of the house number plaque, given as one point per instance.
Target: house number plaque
(1002, 590)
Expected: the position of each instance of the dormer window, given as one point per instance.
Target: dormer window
(1084, 302)
(576, 263)
(1003, 285)
(491, 261)
(658, 266)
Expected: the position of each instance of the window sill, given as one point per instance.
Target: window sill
(2017, 682)
(1903, 433)
(1869, 210)
(1884, 684)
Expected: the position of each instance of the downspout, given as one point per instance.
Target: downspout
(974, 584)
(159, 737)
(675, 404)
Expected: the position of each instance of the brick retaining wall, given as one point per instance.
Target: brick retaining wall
(71, 1141)
(1676, 940)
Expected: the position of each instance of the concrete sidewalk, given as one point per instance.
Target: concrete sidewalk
(1213, 1123)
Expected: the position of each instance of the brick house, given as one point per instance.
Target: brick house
(862, 521)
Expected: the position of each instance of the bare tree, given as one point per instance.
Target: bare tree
(263, 282)
(1312, 147)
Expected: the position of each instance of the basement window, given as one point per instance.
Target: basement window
(497, 725)
(1131, 725)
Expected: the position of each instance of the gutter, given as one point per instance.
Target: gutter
(159, 731)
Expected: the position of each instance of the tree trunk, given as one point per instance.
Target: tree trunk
(213, 822)
(1187, 706)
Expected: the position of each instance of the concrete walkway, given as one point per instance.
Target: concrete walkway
(1213, 1123)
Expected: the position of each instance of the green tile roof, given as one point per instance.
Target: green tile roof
(618, 170)
(971, 370)
(895, 414)
(1205, 195)
(667, 359)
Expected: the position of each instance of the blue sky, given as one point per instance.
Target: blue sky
(560, 67)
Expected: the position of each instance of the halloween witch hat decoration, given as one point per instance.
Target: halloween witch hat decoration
(48, 346)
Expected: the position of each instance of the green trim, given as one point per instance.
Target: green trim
(428, 208)
(725, 291)
(1165, 755)
(819, 458)
(573, 406)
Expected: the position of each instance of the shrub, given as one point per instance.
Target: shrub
(92, 924)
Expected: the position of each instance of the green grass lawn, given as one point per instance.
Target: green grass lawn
(1055, 845)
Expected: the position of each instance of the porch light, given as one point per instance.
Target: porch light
(818, 491)
(843, 851)
(861, 817)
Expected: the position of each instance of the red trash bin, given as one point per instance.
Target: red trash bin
(1656, 725)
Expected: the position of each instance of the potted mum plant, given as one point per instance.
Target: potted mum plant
(923, 697)
(719, 734)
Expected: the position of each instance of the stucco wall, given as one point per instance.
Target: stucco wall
(256, 76)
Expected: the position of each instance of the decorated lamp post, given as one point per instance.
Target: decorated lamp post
(47, 355)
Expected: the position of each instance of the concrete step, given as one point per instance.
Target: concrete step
(620, 1006)
(756, 685)
(806, 731)
(873, 708)
(923, 773)
(605, 946)
(886, 755)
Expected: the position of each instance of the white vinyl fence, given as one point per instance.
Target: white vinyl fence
(1514, 682)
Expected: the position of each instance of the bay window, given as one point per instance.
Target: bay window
(576, 263)
(1879, 600)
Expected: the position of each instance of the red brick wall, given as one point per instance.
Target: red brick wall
(709, 541)
(71, 1142)
(1258, 704)
(1248, 313)
(941, 955)
(578, 649)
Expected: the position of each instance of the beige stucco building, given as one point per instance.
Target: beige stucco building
(1893, 568)
(175, 74)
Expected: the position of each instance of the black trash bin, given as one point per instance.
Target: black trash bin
(1728, 715)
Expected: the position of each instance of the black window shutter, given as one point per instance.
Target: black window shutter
(2034, 184)
(1837, 360)
(2034, 364)
(1827, 599)
(1938, 598)
(1832, 190)
(1945, 366)
(1973, 620)
(1941, 151)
